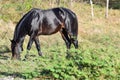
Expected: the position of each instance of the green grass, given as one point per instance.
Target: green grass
(89, 62)
(96, 59)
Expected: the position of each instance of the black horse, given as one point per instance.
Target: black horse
(45, 22)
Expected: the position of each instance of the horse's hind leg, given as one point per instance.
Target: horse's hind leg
(74, 40)
(66, 38)
(38, 46)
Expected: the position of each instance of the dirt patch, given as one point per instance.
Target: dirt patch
(7, 78)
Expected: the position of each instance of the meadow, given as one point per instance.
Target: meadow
(98, 56)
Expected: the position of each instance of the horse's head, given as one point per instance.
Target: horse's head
(15, 49)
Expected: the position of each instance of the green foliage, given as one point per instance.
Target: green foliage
(86, 63)
(115, 4)
(30, 75)
(13, 10)
(81, 65)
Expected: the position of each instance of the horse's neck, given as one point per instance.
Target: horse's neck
(19, 30)
(19, 35)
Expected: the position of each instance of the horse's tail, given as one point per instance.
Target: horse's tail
(71, 23)
(74, 27)
(74, 31)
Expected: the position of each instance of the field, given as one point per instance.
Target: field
(98, 56)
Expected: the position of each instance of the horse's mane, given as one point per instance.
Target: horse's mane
(17, 29)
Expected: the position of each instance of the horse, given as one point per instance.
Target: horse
(44, 22)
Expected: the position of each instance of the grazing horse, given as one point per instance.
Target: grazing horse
(45, 22)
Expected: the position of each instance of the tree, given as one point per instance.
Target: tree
(92, 13)
(58, 2)
(107, 7)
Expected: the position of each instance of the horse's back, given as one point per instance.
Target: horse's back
(48, 21)
(68, 18)
(44, 22)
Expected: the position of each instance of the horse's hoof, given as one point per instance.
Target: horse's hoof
(40, 54)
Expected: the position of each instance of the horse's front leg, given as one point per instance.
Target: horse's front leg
(29, 45)
(37, 43)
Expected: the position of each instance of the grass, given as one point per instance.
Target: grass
(96, 59)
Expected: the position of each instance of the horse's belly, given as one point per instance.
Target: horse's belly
(50, 26)
(48, 30)
(52, 30)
